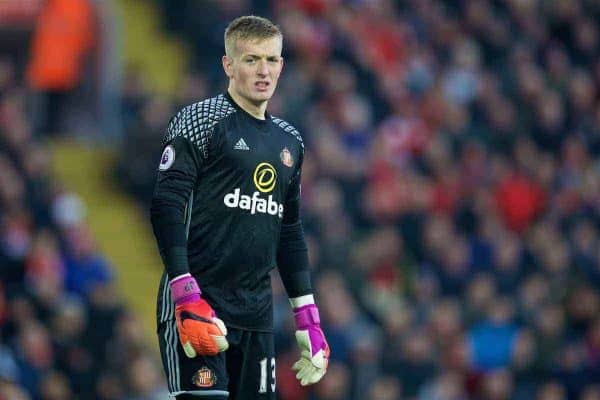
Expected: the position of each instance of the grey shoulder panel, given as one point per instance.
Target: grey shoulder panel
(288, 128)
(196, 122)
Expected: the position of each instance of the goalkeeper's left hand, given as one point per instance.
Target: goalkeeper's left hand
(314, 350)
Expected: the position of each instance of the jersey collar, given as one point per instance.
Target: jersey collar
(261, 123)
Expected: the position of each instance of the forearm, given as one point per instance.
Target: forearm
(170, 232)
(292, 260)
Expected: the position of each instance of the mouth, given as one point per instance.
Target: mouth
(262, 86)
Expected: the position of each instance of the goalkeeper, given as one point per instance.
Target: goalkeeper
(225, 212)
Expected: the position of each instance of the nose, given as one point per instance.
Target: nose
(263, 69)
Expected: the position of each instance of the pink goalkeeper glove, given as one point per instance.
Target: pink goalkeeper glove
(314, 350)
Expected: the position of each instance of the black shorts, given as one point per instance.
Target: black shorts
(246, 371)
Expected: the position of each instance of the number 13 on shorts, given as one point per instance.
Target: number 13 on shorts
(264, 374)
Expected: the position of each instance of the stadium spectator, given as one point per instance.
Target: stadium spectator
(61, 44)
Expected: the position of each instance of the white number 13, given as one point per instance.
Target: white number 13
(263, 375)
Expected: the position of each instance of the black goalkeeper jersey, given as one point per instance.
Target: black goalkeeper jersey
(232, 175)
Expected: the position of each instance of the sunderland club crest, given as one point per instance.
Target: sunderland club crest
(286, 157)
(204, 378)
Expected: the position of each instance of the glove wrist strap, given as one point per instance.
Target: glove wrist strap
(184, 288)
(307, 316)
(301, 301)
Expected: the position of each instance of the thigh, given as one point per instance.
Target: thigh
(251, 367)
(203, 377)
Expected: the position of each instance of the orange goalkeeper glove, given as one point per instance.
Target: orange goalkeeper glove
(200, 331)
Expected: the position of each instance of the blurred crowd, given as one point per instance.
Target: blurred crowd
(64, 332)
(451, 188)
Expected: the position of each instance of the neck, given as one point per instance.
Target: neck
(256, 110)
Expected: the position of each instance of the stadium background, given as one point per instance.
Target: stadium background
(451, 191)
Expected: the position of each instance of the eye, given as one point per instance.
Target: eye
(250, 60)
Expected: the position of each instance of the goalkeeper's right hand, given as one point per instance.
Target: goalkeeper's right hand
(200, 331)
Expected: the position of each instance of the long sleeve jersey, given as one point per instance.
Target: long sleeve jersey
(228, 180)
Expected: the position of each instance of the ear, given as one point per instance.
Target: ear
(227, 66)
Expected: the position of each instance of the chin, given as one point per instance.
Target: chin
(262, 96)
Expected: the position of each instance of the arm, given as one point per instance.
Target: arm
(200, 332)
(292, 260)
(177, 174)
(292, 252)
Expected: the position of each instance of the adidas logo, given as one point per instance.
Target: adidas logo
(241, 145)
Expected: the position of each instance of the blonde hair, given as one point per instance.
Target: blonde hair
(249, 27)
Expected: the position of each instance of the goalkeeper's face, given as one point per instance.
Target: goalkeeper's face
(254, 68)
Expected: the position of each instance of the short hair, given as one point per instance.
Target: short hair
(249, 27)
